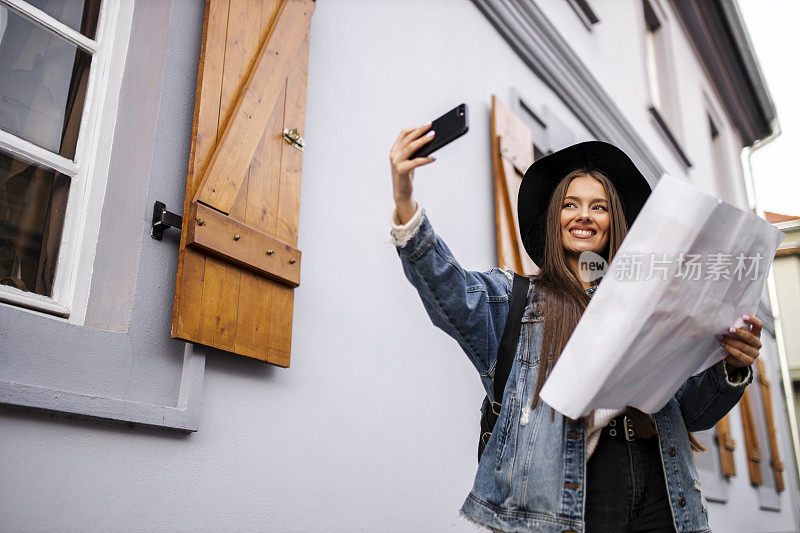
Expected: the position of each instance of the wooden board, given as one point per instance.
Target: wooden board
(217, 303)
(213, 233)
(772, 430)
(512, 154)
(750, 439)
(726, 447)
(265, 82)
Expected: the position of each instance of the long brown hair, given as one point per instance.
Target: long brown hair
(565, 299)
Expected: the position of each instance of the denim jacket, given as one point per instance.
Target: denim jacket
(532, 475)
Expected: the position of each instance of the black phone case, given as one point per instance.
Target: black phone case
(448, 128)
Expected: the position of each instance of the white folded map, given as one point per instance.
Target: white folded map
(690, 267)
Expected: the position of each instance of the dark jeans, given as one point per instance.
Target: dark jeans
(626, 489)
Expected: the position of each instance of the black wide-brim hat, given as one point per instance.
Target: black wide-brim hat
(544, 174)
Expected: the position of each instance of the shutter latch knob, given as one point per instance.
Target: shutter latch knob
(294, 138)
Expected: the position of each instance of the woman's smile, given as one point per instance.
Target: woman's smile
(583, 233)
(585, 219)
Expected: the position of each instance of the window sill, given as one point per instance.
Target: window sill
(672, 141)
(29, 300)
(183, 416)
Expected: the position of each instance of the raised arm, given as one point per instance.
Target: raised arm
(469, 306)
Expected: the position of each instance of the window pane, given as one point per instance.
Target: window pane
(33, 199)
(80, 15)
(43, 80)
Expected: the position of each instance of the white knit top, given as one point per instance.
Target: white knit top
(599, 418)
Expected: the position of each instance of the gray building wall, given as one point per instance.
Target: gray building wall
(373, 428)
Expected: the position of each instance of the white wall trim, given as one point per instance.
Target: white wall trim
(183, 416)
(98, 155)
(528, 31)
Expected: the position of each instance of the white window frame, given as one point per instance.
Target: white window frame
(548, 132)
(660, 73)
(717, 149)
(584, 12)
(89, 170)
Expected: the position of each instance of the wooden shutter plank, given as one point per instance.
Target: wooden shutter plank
(216, 234)
(234, 153)
(750, 439)
(291, 157)
(512, 154)
(240, 311)
(256, 297)
(284, 186)
(726, 447)
(209, 81)
(186, 309)
(221, 281)
(508, 253)
(772, 431)
(512, 184)
(280, 336)
(239, 57)
(219, 299)
(506, 247)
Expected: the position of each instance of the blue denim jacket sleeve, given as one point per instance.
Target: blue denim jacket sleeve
(708, 396)
(469, 306)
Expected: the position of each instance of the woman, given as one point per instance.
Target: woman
(611, 470)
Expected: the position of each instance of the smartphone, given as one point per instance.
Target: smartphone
(448, 128)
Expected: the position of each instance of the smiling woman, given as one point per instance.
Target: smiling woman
(557, 474)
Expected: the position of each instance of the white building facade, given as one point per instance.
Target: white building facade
(109, 424)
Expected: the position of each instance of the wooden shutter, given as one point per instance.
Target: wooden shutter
(238, 262)
(772, 432)
(750, 439)
(512, 154)
(726, 447)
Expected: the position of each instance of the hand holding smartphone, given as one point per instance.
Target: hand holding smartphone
(447, 128)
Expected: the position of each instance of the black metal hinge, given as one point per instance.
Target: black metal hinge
(163, 219)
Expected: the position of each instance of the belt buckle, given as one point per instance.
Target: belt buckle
(628, 428)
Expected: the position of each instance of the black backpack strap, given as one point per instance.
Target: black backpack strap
(510, 339)
(505, 358)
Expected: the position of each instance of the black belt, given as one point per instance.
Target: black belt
(621, 428)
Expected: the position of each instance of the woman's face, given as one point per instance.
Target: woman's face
(585, 220)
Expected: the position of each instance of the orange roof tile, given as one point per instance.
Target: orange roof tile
(775, 218)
